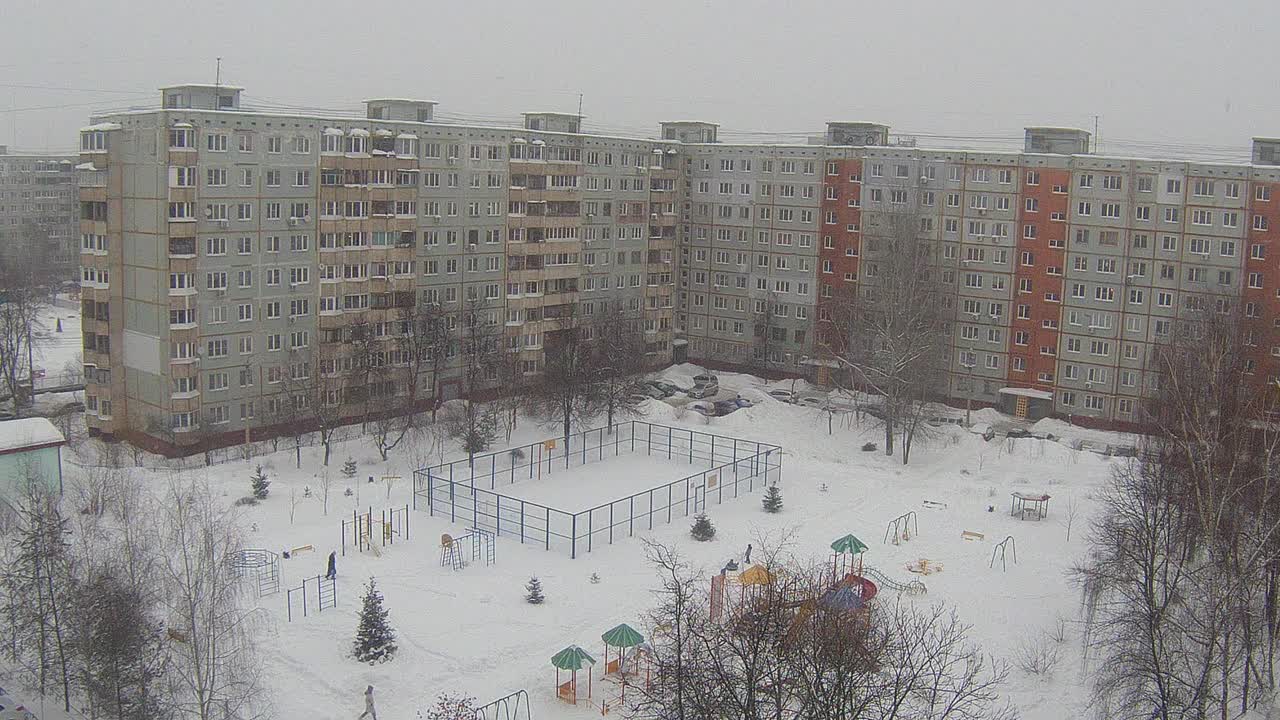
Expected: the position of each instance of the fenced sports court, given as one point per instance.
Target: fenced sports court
(493, 492)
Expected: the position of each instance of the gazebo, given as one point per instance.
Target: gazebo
(621, 637)
(1033, 505)
(572, 659)
(848, 545)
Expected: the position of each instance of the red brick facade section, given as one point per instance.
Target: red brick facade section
(1034, 285)
(836, 262)
(1262, 267)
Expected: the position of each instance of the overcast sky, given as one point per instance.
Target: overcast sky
(1177, 75)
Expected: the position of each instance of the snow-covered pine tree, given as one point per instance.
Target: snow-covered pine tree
(349, 468)
(533, 590)
(259, 482)
(375, 640)
(702, 529)
(772, 499)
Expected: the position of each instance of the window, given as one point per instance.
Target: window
(216, 142)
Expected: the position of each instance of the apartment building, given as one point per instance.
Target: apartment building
(1068, 268)
(38, 211)
(230, 256)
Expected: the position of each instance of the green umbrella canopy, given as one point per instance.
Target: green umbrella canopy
(849, 544)
(572, 658)
(623, 636)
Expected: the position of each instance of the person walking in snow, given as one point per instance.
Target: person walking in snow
(333, 566)
(369, 712)
(746, 560)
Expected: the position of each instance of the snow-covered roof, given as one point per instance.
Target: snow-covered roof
(1027, 392)
(207, 86)
(332, 131)
(99, 127)
(86, 166)
(28, 434)
(360, 132)
(553, 113)
(400, 100)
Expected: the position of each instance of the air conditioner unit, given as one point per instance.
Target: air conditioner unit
(221, 223)
(293, 221)
(453, 161)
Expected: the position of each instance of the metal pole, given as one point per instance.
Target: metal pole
(573, 543)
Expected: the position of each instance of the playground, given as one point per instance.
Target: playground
(931, 531)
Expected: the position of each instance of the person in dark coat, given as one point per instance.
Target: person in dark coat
(746, 560)
(333, 566)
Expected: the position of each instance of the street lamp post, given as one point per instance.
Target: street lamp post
(968, 394)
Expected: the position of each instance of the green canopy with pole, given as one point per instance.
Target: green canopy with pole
(622, 637)
(850, 545)
(572, 659)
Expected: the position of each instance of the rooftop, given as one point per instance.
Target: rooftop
(205, 86)
(28, 434)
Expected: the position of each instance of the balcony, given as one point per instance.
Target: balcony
(182, 248)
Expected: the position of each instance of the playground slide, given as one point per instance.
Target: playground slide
(914, 586)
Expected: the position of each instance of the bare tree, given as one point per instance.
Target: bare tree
(326, 484)
(617, 359)
(25, 283)
(567, 392)
(889, 337)
(1069, 516)
(213, 673)
(38, 585)
(1181, 585)
(425, 336)
(474, 425)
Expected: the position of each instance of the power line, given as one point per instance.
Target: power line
(73, 89)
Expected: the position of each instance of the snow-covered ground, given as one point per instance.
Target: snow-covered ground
(471, 630)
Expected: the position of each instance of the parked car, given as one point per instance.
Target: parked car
(667, 388)
(724, 407)
(637, 398)
(743, 402)
(649, 390)
(782, 395)
(813, 401)
(704, 391)
(704, 408)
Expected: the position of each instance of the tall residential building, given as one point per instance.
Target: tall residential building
(233, 257)
(230, 255)
(38, 219)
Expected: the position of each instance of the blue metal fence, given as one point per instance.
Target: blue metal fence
(730, 467)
